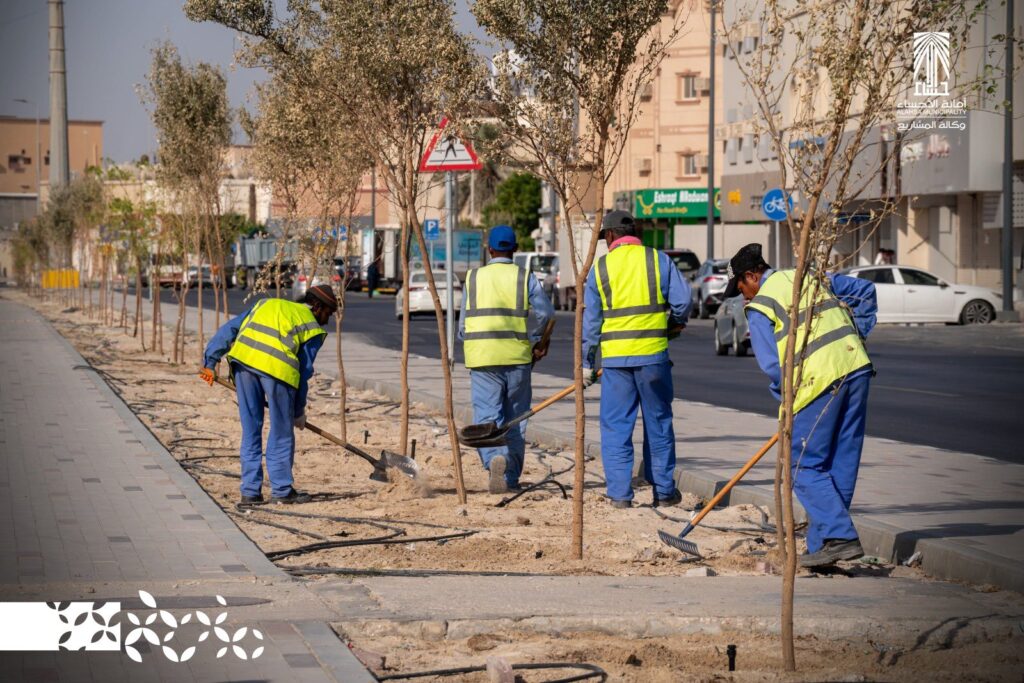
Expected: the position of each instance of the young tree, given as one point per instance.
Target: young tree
(517, 202)
(825, 81)
(568, 89)
(396, 69)
(193, 121)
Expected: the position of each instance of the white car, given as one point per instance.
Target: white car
(911, 295)
(419, 294)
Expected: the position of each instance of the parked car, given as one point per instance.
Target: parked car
(708, 287)
(419, 294)
(192, 276)
(303, 281)
(911, 295)
(731, 329)
(686, 261)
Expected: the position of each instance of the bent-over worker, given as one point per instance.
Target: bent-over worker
(831, 400)
(271, 348)
(500, 350)
(635, 301)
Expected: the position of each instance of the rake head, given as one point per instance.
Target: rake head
(679, 543)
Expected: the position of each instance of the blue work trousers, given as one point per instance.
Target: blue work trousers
(255, 391)
(623, 391)
(828, 436)
(501, 393)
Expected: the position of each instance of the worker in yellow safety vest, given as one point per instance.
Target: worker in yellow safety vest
(834, 374)
(271, 348)
(500, 350)
(635, 301)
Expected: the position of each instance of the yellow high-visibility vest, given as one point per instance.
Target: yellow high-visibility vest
(635, 313)
(270, 336)
(832, 349)
(496, 307)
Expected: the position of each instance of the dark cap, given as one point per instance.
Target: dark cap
(325, 295)
(618, 220)
(746, 260)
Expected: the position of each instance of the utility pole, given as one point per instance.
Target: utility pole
(711, 140)
(39, 157)
(1008, 313)
(60, 170)
(449, 263)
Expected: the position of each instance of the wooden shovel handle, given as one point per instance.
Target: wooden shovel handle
(732, 482)
(559, 396)
(316, 430)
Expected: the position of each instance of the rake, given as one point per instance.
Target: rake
(402, 463)
(689, 547)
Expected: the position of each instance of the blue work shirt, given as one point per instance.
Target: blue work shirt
(541, 306)
(856, 293)
(221, 343)
(674, 288)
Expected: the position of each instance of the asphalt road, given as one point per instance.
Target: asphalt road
(950, 387)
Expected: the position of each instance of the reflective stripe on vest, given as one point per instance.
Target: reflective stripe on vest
(496, 307)
(270, 337)
(833, 348)
(635, 314)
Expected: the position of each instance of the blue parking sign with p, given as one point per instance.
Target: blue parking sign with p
(431, 228)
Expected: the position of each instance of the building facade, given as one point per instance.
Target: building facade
(946, 181)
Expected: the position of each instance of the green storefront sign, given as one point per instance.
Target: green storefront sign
(673, 203)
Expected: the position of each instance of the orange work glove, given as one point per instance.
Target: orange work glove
(207, 375)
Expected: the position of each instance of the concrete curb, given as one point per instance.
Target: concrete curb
(942, 558)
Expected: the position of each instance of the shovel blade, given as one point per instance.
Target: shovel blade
(402, 463)
(474, 432)
(498, 439)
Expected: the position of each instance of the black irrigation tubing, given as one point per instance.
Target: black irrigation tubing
(174, 442)
(548, 481)
(381, 540)
(593, 672)
(305, 570)
(209, 470)
(285, 527)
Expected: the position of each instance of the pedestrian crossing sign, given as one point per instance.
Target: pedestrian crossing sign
(448, 153)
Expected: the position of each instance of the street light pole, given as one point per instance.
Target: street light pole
(711, 141)
(1008, 112)
(39, 158)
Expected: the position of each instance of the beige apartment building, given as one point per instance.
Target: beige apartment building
(662, 176)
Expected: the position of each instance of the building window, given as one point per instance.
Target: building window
(730, 150)
(688, 89)
(688, 165)
(748, 148)
(18, 162)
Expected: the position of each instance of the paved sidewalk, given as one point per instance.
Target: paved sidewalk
(93, 508)
(962, 511)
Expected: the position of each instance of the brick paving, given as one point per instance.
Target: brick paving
(92, 507)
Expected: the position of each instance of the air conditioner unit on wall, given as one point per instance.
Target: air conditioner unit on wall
(702, 161)
(647, 92)
(702, 85)
(643, 164)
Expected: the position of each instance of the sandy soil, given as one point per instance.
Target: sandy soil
(685, 658)
(199, 425)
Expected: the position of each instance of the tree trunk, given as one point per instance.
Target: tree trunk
(446, 368)
(124, 303)
(581, 406)
(138, 304)
(403, 436)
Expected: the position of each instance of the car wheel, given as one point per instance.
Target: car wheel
(703, 310)
(738, 346)
(720, 348)
(977, 312)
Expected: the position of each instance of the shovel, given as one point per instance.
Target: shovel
(403, 464)
(488, 434)
(689, 547)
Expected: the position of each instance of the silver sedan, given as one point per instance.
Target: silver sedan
(731, 328)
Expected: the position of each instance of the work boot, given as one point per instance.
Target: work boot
(496, 483)
(621, 504)
(833, 551)
(675, 499)
(292, 498)
(251, 500)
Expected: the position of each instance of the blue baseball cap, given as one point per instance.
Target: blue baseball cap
(502, 238)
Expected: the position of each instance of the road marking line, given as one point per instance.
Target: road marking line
(917, 391)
